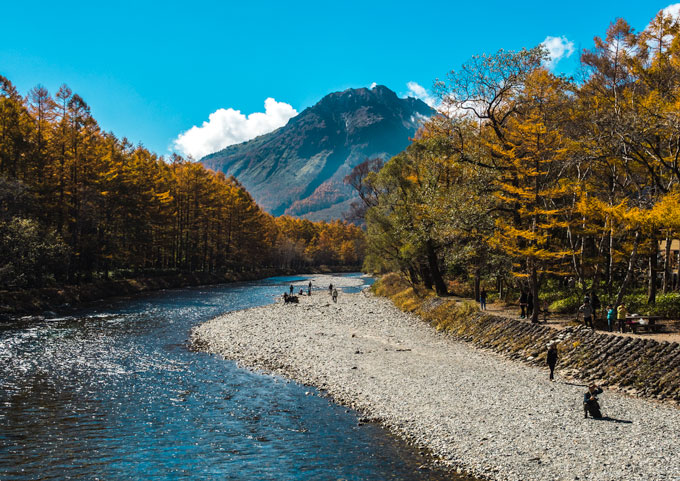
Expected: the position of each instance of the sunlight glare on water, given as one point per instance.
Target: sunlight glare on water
(112, 392)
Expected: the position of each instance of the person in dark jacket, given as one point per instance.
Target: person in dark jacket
(309, 288)
(595, 304)
(551, 359)
(482, 300)
(523, 300)
(590, 404)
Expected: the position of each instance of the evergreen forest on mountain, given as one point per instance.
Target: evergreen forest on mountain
(79, 204)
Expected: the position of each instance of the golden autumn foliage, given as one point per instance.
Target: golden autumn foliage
(528, 178)
(88, 204)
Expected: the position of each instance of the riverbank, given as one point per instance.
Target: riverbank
(646, 366)
(36, 301)
(473, 409)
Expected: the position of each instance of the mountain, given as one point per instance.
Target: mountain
(299, 168)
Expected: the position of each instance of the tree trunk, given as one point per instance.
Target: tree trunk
(629, 272)
(653, 268)
(425, 275)
(436, 274)
(477, 283)
(413, 275)
(667, 275)
(534, 294)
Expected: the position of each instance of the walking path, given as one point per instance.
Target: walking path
(474, 409)
(560, 321)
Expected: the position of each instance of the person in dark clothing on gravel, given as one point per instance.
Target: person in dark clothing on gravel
(523, 300)
(551, 359)
(590, 404)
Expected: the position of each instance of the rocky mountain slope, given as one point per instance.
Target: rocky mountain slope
(298, 169)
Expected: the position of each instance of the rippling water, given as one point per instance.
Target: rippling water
(112, 392)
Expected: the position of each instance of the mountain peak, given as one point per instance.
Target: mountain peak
(298, 169)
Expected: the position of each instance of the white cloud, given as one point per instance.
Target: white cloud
(558, 48)
(672, 10)
(418, 91)
(373, 85)
(228, 126)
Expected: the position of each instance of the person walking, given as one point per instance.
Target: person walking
(551, 359)
(482, 300)
(330, 289)
(611, 317)
(621, 314)
(595, 304)
(335, 295)
(586, 311)
(291, 289)
(309, 288)
(523, 300)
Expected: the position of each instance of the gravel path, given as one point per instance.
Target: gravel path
(474, 409)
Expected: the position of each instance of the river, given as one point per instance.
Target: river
(113, 392)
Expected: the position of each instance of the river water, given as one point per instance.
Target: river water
(112, 392)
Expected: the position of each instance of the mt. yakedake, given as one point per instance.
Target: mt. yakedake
(299, 169)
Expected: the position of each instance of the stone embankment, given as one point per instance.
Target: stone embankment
(639, 367)
(473, 409)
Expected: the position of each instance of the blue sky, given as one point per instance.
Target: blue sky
(152, 70)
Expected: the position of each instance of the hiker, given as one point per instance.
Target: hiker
(587, 311)
(330, 289)
(309, 288)
(551, 359)
(595, 304)
(621, 314)
(611, 317)
(482, 300)
(291, 289)
(590, 404)
(523, 300)
(335, 295)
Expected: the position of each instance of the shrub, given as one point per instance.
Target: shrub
(569, 304)
(667, 305)
(389, 285)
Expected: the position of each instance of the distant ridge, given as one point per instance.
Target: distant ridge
(299, 168)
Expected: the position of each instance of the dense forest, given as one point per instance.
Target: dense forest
(78, 204)
(531, 180)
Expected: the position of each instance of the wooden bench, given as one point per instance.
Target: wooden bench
(633, 322)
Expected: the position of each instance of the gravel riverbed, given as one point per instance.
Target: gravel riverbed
(473, 409)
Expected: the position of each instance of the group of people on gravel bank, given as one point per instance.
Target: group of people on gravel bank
(588, 311)
(291, 298)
